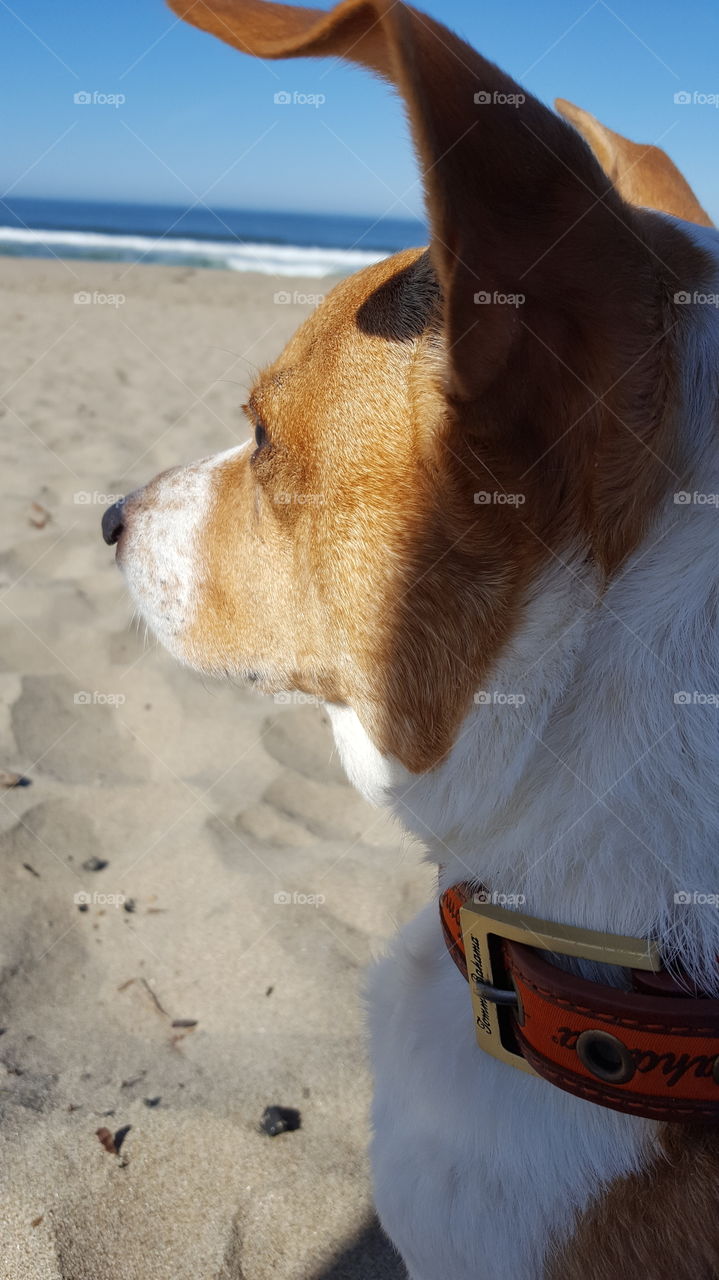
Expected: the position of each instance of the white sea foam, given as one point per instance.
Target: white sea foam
(237, 255)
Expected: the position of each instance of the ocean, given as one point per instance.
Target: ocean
(288, 244)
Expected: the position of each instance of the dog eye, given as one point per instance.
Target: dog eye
(261, 437)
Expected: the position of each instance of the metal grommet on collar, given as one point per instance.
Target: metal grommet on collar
(606, 1057)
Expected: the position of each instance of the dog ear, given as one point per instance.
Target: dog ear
(517, 204)
(643, 174)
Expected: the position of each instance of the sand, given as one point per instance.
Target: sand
(141, 868)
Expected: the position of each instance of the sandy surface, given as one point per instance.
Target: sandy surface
(203, 801)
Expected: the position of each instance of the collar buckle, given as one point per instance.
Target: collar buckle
(496, 1004)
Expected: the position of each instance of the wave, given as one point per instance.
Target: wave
(271, 259)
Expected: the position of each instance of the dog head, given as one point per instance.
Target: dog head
(446, 425)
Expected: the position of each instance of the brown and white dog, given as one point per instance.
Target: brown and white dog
(494, 432)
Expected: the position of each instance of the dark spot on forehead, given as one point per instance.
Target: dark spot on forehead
(404, 305)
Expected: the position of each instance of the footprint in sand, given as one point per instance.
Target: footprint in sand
(301, 739)
(40, 865)
(74, 734)
(311, 799)
(54, 838)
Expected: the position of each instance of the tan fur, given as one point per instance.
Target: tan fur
(643, 174)
(658, 1225)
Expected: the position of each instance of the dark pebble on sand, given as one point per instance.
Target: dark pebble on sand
(10, 780)
(280, 1120)
(95, 864)
(120, 1137)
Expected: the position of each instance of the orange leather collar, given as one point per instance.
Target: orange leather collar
(652, 1051)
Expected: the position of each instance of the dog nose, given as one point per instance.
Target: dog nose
(113, 522)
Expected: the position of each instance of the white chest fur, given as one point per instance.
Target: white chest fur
(478, 1166)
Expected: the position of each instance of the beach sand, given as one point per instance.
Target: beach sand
(177, 809)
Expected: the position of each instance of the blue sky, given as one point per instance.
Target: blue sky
(199, 119)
